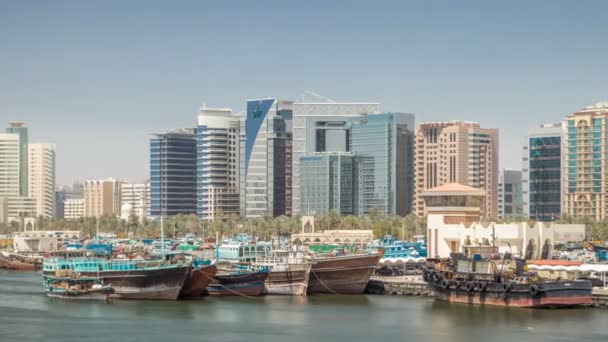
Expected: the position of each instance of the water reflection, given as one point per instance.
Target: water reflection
(27, 315)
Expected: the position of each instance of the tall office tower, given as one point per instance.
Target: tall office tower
(134, 200)
(41, 182)
(102, 197)
(12, 169)
(328, 182)
(384, 145)
(218, 163)
(510, 194)
(266, 142)
(19, 129)
(321, 127)
(542, 174)
(173, 173)
(584, 165)
(456, 152)
(73, 208)
(10, 165)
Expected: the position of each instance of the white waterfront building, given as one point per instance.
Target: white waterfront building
(454, 221)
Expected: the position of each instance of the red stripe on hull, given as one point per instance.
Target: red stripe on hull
(523, 302)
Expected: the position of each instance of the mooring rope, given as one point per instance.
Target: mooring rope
(322, 283)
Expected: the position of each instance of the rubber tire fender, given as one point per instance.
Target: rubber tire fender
(534, 290)
(470, 286)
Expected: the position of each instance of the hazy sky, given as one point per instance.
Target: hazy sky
(96, 78)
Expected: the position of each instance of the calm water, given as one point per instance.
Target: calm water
(27, 315)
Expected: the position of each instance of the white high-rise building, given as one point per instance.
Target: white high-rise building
(217, 163)
(9, 165)
(41, 164)
(73, 208)
(134, 200)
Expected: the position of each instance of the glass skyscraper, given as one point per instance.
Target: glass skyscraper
(322, 127)
(20, 129)
(542, 176)
(173, 173)
(327, 182)
(384, 145)
(265, 144)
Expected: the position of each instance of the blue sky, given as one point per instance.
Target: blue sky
(97, 77)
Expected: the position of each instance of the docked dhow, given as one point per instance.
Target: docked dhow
(480, 276)
(129, 279)
(341, 274)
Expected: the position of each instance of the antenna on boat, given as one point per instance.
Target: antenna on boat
(162, 237)
(97, 229)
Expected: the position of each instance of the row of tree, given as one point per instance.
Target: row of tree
(265, 227)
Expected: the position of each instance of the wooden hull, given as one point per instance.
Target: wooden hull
(343, 274)
(251, 284)
(292, 281)
(16, 265)
(197, 281)
(160, 283)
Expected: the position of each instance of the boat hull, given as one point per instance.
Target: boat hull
(251, 284)
(549, 294)
(95, 296)
(16, 265)
(292, 281)
(197, 281)
(160, 283)
(342, 274)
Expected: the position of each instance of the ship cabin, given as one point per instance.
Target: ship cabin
(476, 263)
(244, 253)
(86, 264)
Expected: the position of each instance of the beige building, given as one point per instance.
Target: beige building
(585, 164)
(456, 152)
(73, 208)
(41, 164)
(43, 241)
(454, 222)
(102, 197)
(308, 236)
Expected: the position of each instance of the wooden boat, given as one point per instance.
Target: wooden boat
(485, 281)
(130, 279)
(197, 281)
(345, 274)
(288, 279)
(238, 283)
(77, 288)
(289, 273)
(18, 262)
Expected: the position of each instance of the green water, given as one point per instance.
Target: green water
(27, 315)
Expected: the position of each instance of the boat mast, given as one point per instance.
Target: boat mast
(162, 237)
